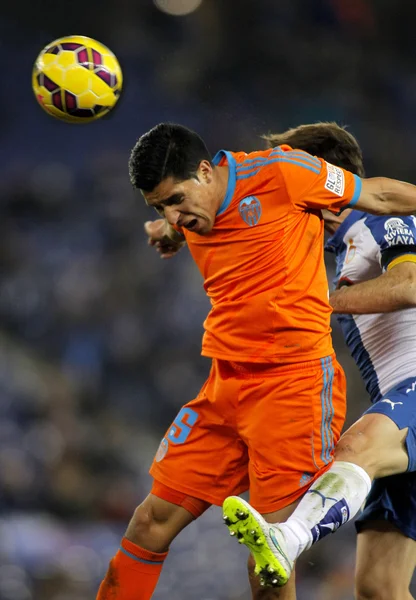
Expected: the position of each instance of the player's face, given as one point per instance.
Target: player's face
(191, 203)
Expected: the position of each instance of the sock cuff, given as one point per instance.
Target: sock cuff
(344, 466)
(141, 554)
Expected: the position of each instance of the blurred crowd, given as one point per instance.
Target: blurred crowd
(99, 338)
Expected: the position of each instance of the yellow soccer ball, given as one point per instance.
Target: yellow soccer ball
(77, 79)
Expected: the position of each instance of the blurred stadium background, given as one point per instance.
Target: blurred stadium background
(99, 339)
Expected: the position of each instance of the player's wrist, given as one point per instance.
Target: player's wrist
(335, 299)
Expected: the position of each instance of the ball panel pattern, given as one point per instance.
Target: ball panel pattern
(77, 79)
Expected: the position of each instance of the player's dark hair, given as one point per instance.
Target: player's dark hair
(167, 150)
(325, 140)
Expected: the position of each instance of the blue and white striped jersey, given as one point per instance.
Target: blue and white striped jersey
(382, 345)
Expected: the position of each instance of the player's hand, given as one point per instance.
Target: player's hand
(157, 233)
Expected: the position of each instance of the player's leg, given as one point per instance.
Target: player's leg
(336, 496)
(200, 459)
(383, 441)
(291, 430)
(385, 563)
(376, 444)
(134, 571)
(386, 547)
(372, 447)
(157, 521)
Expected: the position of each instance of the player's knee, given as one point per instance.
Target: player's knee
(151, 528)
(374, 443)
(365, 590)
(360, 443)
(141, 522)
(370, 587)
(355, 449)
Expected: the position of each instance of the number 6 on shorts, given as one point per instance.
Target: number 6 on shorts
(182, 426)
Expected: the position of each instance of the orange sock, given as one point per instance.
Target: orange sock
(133, 573)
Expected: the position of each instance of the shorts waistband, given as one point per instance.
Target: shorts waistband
(265, 369)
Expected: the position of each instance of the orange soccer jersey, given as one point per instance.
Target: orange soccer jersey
(262, 263)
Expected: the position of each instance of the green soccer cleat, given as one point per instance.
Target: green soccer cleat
(266, 542)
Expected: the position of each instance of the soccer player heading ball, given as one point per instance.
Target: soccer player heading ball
(272, 409)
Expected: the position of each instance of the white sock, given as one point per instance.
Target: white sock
(332, 500)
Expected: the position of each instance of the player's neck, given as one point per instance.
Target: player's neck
(222, 175)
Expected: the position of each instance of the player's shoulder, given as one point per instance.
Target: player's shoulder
(267, 163)
(391, 223)
(390, 220)
(392, 230)
(243, 161)
(283, 153)
(377, 223)
(289, 156)
(248, 158)
(254, 169)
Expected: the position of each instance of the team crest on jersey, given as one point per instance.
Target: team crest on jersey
(398, 232)
(250, 210)
(162, 450)
(350, 251)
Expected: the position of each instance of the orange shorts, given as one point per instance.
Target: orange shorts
(267, 428)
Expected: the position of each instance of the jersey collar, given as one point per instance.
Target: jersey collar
(231, 178)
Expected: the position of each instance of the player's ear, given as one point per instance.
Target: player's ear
(205, 171)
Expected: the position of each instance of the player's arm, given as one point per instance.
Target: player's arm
(383, 196)
(167, 240)
(313, 183)
(393, 290)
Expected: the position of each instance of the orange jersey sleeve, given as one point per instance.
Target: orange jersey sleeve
(313, 183)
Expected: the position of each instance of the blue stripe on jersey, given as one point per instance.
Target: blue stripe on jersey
(260, 162)
(323, 407)
(304, 156)
(327, 410)
(142, 560)
(279, 159)
(231, 178)
(278, 153)
(294, 154)
(354, 342)
(250, 161)
(331, 411)
(357, 192)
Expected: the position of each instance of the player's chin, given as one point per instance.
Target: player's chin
(204, 227)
